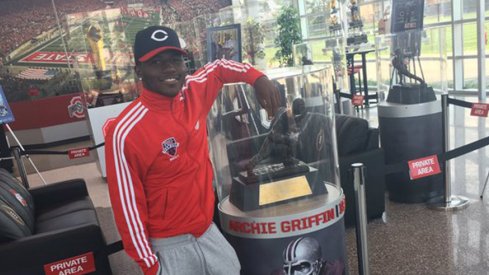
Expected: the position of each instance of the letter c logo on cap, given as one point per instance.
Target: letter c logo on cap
(165, 35)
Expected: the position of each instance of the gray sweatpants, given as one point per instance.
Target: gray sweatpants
(210, 254)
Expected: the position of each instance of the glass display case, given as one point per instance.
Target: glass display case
(335, 44)
(100, 43)
(413, 57)
(302, 54)
(278, 180)
(101, 47)
(356, 34)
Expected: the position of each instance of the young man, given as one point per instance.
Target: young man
(158, 167)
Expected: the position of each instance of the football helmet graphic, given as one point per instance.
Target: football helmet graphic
(303, 257)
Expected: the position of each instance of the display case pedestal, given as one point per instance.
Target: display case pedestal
(408, 132)
(260, 237)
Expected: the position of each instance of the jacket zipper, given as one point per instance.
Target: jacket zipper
(189, 135)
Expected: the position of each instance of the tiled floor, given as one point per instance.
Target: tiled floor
(418, 240)
(413, 239)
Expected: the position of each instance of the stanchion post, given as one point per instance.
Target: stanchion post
(27, 156)
(485, 185)
(446, 146)
(361, 217)
(20, 166)
(449, 202)
(337, 97)
(340, 104)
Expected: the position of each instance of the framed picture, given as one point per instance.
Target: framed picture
(6, 115)
(224, 42)
(407, 23)
(407, 15)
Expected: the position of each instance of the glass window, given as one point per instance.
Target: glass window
(469, 9)
(318, 55)
(437, 11)
(270, 30)
(487, 73)
(470, 75)
(469, 38)
(486, 36)
(315, 6)
(449, 73)
(316, 25)
(370, 14)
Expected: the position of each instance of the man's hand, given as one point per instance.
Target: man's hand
(268, 95)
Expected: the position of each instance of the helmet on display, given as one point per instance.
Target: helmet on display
(303, 257)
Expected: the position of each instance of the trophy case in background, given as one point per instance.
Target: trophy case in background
(278, 180)
(100, 43)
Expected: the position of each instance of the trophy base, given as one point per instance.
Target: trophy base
(335, 27)
(356, 24)
(411, 94)
(275, 190)
(357, 39)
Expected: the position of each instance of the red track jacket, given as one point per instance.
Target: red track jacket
(158, 167)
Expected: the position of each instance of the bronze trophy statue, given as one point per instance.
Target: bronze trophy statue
(405, 86)
(334, 21)
(277, 172)
(355, 20)
(400, 64)
(279, 148)
(356, 34)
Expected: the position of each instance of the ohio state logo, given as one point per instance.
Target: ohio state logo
(75, 109)
(169, 147)
(18, 197)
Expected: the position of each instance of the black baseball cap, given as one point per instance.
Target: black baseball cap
(154, 40)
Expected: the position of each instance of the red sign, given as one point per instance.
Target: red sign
(320, 218)
(81, 58)
(81, 264)
(78, 153)
(33, 91)
(41, 113)
(479, 109)
(357, 100)
(424, 167)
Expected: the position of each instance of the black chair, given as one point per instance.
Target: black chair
(357, 142)
(46, 225)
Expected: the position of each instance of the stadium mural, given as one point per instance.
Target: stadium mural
(89, 53)
(106, 69)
